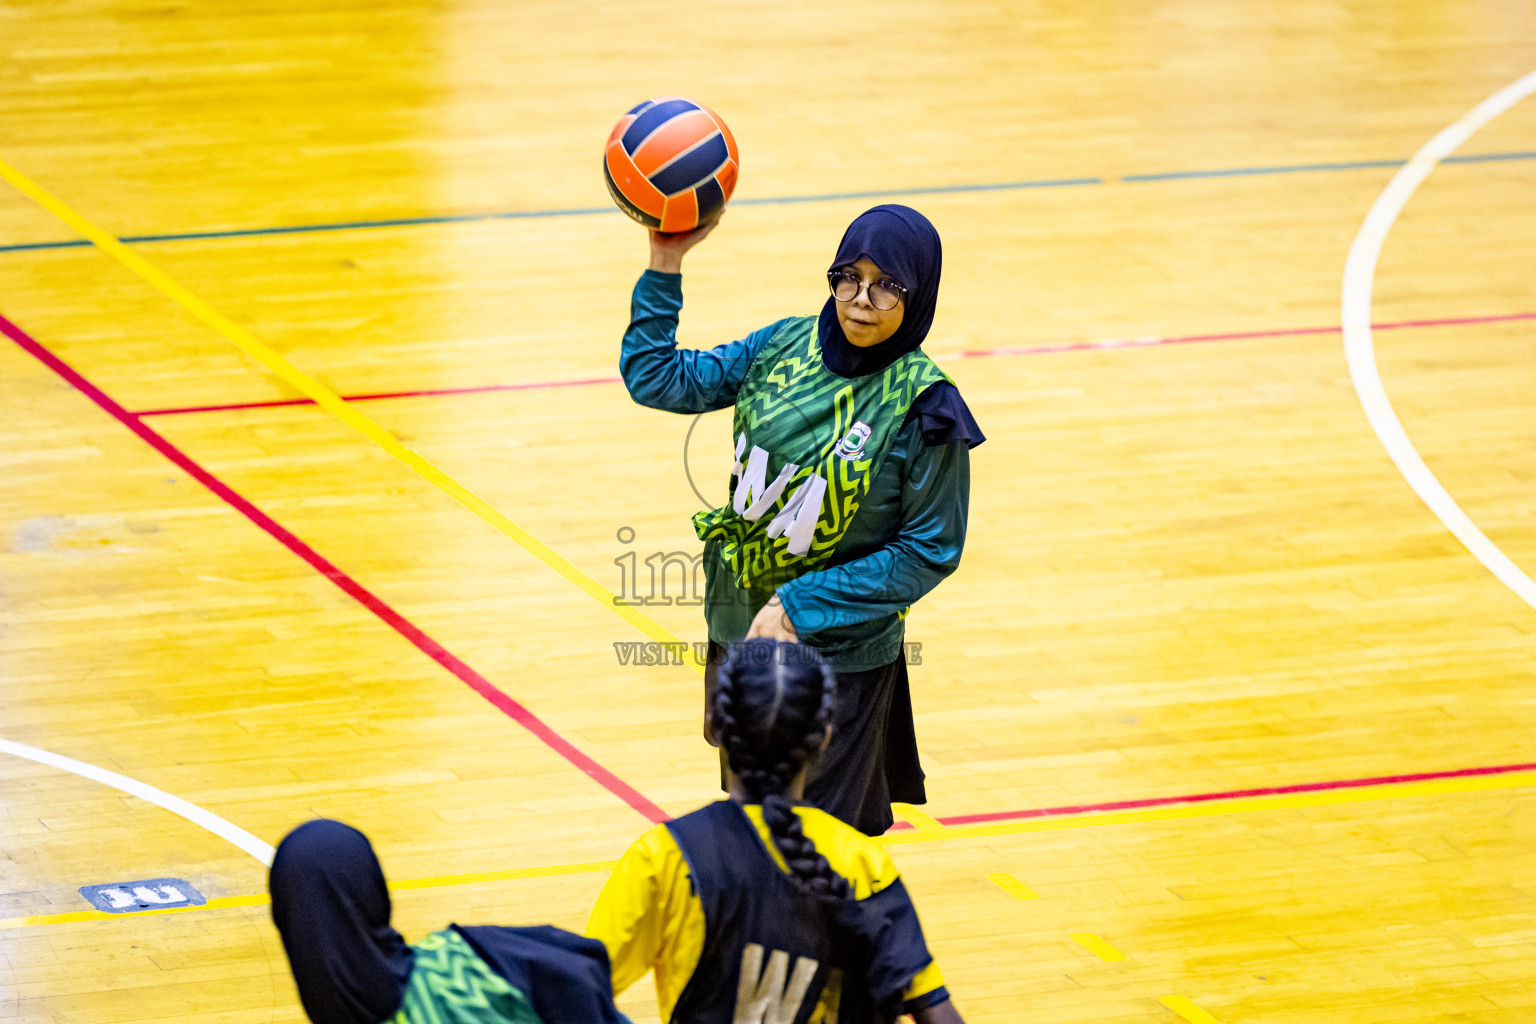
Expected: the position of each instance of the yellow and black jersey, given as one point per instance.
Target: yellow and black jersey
(707, 902)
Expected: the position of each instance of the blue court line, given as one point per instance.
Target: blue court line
(1002, 186)
(1484, 158)
(1243, 172)
(1351, 165)
(587, 211)
(303, 229)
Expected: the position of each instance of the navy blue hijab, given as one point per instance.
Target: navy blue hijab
(331, 907)
(904, 245)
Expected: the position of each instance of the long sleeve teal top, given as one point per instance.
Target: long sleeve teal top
(906, 536)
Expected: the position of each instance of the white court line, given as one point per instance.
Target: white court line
(175, 804)
(1359, 350)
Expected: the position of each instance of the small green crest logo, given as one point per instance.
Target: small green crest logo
(852, 445)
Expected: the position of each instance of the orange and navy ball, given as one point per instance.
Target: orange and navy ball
(671, 164)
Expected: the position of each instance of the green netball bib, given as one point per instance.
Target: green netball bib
(450, 984)
(808, 445)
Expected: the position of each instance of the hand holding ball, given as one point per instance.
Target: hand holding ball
(671, 164)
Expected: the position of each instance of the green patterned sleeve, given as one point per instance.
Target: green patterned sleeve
(934, 504)
(660, 375)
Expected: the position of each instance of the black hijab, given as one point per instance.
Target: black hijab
(331, 906)
(902, 243)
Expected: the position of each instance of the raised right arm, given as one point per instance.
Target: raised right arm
(658, 374)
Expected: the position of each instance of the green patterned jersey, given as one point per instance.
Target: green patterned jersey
(808, 443)
(450, 984)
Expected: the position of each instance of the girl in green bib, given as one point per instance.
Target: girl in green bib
(850, 484)
(332, 908)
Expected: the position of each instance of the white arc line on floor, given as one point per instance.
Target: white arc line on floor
(175, 804)
(1360, 351)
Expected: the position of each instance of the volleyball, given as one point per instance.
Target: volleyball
(671, 164)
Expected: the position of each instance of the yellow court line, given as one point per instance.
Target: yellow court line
(918, 819)
(217, 903)
(1012, 886)
(262, 899)
(1098, 947)
(502, 876)
(1514, 780)
(1188, 1010)
(338, 407)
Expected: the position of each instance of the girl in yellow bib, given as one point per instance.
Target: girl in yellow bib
(759, 909)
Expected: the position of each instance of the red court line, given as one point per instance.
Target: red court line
(1231, 794)
(434, 650)
(1081, 346)
(1188, 339)
(376, 395)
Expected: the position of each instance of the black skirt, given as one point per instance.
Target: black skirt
(872, 759)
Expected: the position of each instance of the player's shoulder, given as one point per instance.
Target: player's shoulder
(850, 852)
(790, 328)
(943, 418)
(656, 849)
(772, 338)
(654, 838)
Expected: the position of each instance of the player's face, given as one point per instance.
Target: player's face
(863, 324)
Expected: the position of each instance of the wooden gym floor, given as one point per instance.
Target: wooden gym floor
(1221, 721)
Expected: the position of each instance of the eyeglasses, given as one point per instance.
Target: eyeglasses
(883, 294)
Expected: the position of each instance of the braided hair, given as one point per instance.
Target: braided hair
(771, 711)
